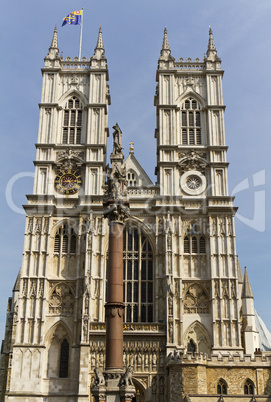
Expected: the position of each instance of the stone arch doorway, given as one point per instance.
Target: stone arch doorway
(140, 392)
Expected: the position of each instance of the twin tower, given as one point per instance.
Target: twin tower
(189, 321)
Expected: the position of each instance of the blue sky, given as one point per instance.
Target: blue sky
(132, 34)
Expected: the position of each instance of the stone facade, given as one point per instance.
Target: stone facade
(189, 322)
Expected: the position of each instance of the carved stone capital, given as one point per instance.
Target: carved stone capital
(116, 211)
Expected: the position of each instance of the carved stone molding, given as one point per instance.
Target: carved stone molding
(69, 159)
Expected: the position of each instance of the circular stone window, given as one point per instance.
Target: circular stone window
(193, 182)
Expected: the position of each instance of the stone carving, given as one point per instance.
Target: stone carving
(30, 225)
(33, 288)
(24, 290)
(222, 227)
(37, 225)
(196, 300)
(61, 300)
(192, 161)
(117, 148)
(99, 377)
(126, 380)
(69, 159)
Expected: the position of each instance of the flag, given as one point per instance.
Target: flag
(73, 18)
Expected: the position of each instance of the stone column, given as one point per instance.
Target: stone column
(114, 307)
(115, 385)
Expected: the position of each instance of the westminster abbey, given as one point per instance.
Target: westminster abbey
(189, 326)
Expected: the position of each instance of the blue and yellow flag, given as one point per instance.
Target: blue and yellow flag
(73, 18)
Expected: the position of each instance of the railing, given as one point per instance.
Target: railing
(75, 64)
(189, 64)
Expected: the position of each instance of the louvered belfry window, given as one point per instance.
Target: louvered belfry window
(72, 122)
(137, 276)
(194, 242)
(191, 122)
(65, 240)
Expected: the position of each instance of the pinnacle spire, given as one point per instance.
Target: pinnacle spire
(165, 45)
(165, 51)
(53, 49)
(54, 43)
(211, 51)
(247, 291)
(99, 49)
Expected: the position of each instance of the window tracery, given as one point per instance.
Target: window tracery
(72, 122)
(191, 122)
(249, 387)
(222, 387)
(196, 300)
(61, 300)
(137, 276)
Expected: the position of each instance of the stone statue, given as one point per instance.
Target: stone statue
(126, 380)
(99, 377)
(117, 148)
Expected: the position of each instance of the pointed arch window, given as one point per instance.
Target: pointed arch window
(72, 122)
(248, 387)
(191, 122)
(194, 242)
(222, 388)
(137, 276)
(65, 240)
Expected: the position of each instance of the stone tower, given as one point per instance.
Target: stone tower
(188, 321)
(52, 305)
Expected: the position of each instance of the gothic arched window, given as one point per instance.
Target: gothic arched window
(248, 387)
(222, 387)
(191, 122)
(194, 242)
(131, 178)
(137, 276)
(65, 240)
(64, 359)
(72, 122)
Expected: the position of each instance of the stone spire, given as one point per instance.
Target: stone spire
(211, 51)
(99, 49)
(53, 49)
(165, 51)
(247, 291)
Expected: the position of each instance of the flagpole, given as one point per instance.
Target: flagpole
(80, 43)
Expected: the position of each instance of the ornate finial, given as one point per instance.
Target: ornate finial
(53, 49)
(131, 147)
(99, 49)
(211, 51)
(165, 51)
(165, 45)
(100, 44)
(54, 43)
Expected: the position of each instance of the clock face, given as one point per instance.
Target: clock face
(68, 181)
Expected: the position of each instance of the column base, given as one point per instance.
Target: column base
(113, 385)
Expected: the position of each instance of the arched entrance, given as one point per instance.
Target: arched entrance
(140, 392)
